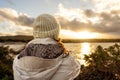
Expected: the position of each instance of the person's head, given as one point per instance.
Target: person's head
(46, 26)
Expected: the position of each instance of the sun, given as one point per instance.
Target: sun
(86, 34)
(79, 35)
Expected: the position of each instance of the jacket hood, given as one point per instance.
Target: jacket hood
(34, 68)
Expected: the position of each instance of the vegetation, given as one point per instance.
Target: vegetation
(89, 40)
(5, 64)
(103, 64)
(18, 38)
(6, 61)
(22, 38)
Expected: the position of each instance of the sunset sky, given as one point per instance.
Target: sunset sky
(78, 18)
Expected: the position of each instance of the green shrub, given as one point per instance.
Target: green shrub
(104, 64)
(6, 61)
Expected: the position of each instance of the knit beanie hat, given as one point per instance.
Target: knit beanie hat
(45, 26)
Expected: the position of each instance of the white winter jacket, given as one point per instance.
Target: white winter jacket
(35, 68)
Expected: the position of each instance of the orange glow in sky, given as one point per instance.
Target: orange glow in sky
(79, 35)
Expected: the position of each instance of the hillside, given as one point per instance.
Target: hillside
(22, 38)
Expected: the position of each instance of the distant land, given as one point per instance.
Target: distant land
(21, 38)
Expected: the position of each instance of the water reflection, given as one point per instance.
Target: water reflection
(85, 50)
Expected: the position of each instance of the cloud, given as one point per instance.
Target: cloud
(24, 32)
(23, 19)
(10, 28)
(10, 2)
(102, 5)
(3, 34)
(89, 13)
(109, 22)
(71, 13)
(85, 0)
(18, 18)
(76, 19)
(73, 25)
(1, 18)
(14, 23)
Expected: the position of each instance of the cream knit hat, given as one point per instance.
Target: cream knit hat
(45, 26)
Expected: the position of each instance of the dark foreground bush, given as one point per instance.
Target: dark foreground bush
(5, 64)
(104, 64)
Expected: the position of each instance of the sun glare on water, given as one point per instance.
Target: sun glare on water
(85, 50)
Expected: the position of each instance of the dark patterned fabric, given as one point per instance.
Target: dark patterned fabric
(47, 51)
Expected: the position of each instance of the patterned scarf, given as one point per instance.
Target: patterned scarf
(46, 51)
